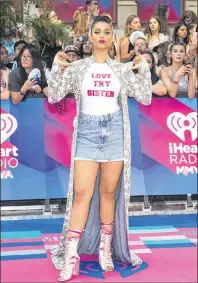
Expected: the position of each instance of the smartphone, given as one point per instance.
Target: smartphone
(187, 64)
(84, 38)
(37, 80)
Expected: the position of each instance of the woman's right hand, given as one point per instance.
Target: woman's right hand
(141, 60)
(61, 59)
(28, 85)
(181, 72)
(137, 60)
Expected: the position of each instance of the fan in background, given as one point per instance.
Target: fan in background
(135, 35)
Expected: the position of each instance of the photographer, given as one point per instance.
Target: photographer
(83, 19)
(92, 10)
(20, 83)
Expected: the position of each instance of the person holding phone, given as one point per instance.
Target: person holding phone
(92, 9)
(180, 77)
(19, 84)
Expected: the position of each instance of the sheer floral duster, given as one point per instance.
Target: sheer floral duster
(60, 84)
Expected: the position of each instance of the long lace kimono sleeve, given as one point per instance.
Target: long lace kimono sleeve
(60, 83)
(140, 89)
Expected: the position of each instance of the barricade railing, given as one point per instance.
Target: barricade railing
(36, 139)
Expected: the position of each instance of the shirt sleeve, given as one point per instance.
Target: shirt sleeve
(60, 83)
(140, 89)
(14, 84)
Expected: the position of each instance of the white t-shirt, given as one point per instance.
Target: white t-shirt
(100, 91)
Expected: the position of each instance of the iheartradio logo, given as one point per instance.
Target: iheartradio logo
(179, 123)
(8, 126)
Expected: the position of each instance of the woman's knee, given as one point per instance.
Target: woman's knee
(107, 193)
(82, 195)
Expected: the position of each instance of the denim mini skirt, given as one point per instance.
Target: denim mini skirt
(100, 138)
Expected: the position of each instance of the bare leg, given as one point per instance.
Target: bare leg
(84, 181)
(110, 175)
(109, 178)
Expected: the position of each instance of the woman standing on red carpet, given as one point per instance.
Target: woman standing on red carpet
(96, 218)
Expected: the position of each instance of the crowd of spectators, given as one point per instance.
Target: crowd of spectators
(171, 56)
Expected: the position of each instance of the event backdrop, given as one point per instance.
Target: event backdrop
(36, 148)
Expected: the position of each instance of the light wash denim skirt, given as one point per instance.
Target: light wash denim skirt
(100, 138)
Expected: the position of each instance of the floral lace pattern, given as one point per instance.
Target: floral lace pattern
(60, 84)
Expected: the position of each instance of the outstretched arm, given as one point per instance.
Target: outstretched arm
(60, 82)
(139, 88)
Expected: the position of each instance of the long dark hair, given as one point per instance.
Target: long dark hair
(154, 77)
(164, 47)
(177, 43)
(17, 58)
(176, 36)
(81, 52)
(160, 12)
(36, 58)
(189, 14)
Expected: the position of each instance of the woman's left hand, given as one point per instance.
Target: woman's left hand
(137, 60)
(139, 65)
(37, 88)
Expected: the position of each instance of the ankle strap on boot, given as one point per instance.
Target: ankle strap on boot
(77, 232)
(104, 230)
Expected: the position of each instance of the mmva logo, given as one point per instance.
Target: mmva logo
(179, 123)
(8, 126)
